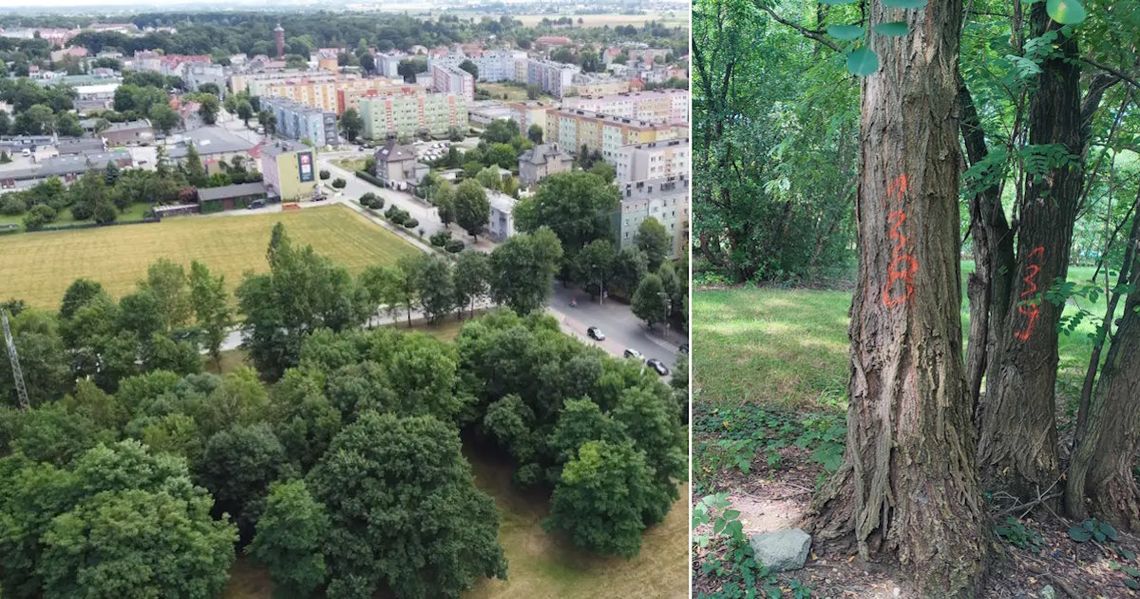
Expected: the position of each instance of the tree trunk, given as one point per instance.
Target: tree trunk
(908, 484)
(1018, 446)
(1101, 468)
(988, 286)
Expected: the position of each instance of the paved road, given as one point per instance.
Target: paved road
(615, 319)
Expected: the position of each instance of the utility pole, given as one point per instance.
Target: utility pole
(17, 373)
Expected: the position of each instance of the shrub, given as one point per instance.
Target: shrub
(13, 205)
(105, 213)
(411, 223)
(454, 246)
(325, 174)
(440, 239)
(338, 183)
(81, 211)
(39, 216)
(367, 176)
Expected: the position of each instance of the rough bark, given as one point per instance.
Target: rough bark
(1101, 467)
(908, 486)
(988, 286)
(1017, 450)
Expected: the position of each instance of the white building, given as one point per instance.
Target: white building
(452, 80)
(653, 160)
(666, 200)
(655, 106)
(501, 224)
(496, 65)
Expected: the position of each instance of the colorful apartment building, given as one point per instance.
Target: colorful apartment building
(657, 106)
(554, 78)
(573, 128)
(407, 116)
(592, 85)
(350, 98)
(300, 122)
(289, 170)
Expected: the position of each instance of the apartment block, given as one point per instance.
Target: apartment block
(350, 98)
(407, 116)
(496, 65)
(665, 199)
(555, 78)
(289, 171)
(593, 85)
(657, 106)
(297, 121)
(448, 79)
(653, 160)
(253, 82)
(573, 128)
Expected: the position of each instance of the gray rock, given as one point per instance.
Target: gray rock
(782, 550)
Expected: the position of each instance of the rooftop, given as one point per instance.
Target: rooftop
(392, 152)
(231, 191)
(283, 146)
(544, 153)
(207, 141)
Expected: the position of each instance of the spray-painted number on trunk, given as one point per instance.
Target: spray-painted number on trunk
(900, 273)
(1031, 310)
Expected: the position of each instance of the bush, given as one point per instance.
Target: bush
(38, 217)
(454, 246)
(371, 200)
(338, 183)
(325, 174)
(81, 211)
(13, 205)
(105, 213)
(367, 176)
(440, 239)
(411, 223)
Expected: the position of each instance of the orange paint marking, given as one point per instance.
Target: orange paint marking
(903, 265)
(1030, 311)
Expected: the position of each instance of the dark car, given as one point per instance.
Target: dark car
(684, 348)
(658, 365)
(256, 204)
(632, 353)
(596, 334)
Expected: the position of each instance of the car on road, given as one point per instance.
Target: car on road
(256, 204)
(632, 353)
(658, 365)
(596, 334)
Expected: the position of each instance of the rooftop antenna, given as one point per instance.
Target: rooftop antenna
(17, 373)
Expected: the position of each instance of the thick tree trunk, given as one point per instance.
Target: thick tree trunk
(1101, 467)
(908, 484)
(1018, 446)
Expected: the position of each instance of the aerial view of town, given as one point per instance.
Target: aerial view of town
(344, 300)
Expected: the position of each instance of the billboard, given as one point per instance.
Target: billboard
(305, 166)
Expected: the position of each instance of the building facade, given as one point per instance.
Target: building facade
(501, 223)
(407, 116)
(554, 78)
(666, 200)
(297, 121)
(289, 171)
(656, 106)
(453, 80)
(573, 128)
(541, 161)
(653, 160)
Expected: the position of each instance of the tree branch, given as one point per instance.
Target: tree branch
(814, 34)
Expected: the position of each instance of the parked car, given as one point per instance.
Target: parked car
(658, 365)
(683, 348)
(596, 334)
(632, 353)
(256, 204)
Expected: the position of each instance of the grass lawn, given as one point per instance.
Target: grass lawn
(134, 212)
(350, 164)
(38, 267)
(788, 348)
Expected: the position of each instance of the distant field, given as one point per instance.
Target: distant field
(671, 18)
(38, 267)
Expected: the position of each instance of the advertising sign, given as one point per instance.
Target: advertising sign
(305, 166)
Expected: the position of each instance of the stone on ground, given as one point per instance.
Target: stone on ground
(782, 550)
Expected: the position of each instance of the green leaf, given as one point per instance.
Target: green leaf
(892, 29)
(1079, 534)
(904, 3)
(1065, 12)
(1132, 584)
(836, 2)
(731, 514)
(845, 32)
(863, 62)
(1109, 531)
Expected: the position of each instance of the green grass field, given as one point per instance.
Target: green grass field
(133, 213)
(788, 348)
(38, 267)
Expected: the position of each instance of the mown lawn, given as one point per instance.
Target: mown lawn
(38, 267)
(788, 347)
